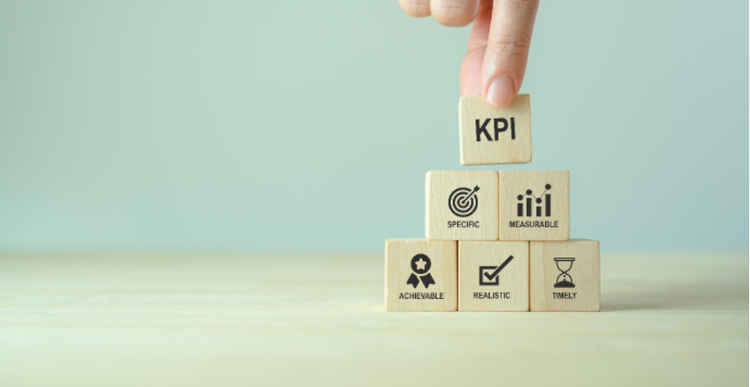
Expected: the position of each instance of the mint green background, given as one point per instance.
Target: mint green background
(311, 124)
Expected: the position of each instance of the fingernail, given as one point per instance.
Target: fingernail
(500, 92)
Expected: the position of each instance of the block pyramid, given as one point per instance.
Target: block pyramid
(495, 240)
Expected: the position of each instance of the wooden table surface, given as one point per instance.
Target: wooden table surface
(269, 319)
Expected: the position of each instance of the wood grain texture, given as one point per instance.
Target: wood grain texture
(441, 188)
(481, 291)
(436, 295)
(673, 318)
(543, 217)
(493, 142)
(581, 260)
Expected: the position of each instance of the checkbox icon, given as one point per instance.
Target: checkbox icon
(490, 275)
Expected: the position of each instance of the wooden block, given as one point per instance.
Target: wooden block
(534, 206)
(420, 275)
(565, 276)
(495, 136)
(493, 276)
(462, 205)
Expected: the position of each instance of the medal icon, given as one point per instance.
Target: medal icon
(420, 266)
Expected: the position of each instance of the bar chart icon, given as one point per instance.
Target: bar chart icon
(530, 204)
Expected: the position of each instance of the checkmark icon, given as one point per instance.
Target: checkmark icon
(492, 277)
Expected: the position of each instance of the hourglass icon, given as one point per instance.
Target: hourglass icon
(564, 280)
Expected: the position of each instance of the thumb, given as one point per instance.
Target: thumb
(507, 50)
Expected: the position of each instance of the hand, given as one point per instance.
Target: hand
(495, 61)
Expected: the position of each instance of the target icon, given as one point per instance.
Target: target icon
(463, 201)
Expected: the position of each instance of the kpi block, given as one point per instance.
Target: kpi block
(493, 276)
(565, 276)
(462, 205)
(534, 206)
(495, 135)
(420, 275)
